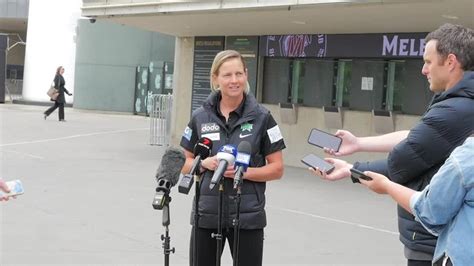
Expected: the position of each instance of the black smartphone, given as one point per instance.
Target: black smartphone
(314, 161)
(324, 140)
(359, 175)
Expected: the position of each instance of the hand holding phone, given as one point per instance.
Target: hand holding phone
(15, 187)
(356, 175)
(314, 161)
(323, 140)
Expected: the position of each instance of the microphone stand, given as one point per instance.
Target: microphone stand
(197, 194)
(236, 224)
(219, 236)
(166, 238)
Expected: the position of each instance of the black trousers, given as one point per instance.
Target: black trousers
(250, 246)
(52, 108)
(419, 263)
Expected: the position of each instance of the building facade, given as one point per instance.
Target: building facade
(314, 64)
(13, 21)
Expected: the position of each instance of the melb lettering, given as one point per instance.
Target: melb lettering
(402, 47)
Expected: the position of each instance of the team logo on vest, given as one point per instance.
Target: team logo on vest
(247, 127)
(210, 127)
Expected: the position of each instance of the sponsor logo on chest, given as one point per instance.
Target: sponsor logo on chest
(211, 131)
(210, 127)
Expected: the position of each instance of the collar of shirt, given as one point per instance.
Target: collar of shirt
(234, 115)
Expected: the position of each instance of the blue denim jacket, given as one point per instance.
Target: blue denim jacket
(446, 207)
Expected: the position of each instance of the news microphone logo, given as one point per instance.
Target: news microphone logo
(202, 150)
(228, 149)
(242, 161)
(225, 156)
(206, 143)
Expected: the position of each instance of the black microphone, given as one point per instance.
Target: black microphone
(167, 175)
(226, 156)
(202, 150)
(242, 161)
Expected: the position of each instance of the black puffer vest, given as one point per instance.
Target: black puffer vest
(252, 212)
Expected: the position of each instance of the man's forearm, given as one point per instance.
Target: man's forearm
(382, 143)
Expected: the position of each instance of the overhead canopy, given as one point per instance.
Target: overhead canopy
(257, 17)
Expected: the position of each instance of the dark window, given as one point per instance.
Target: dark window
(318, 83)
(367, 85)
(411, 93)
(309, 82)
(358, 84)
(276, 80)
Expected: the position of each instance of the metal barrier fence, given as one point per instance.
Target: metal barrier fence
(160, 119)
(13, 89)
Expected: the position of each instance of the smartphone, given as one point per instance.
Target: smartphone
(359, 175)
(324, 140)
(314, 161)
(16, 188)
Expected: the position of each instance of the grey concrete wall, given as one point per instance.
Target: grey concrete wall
(14, 9)
(106, 58)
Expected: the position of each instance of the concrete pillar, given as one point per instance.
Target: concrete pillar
(51, 43)
(182, 86)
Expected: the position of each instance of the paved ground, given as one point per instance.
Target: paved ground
(89, 185)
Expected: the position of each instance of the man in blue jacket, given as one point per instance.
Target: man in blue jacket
(445, 207)
(416, 155)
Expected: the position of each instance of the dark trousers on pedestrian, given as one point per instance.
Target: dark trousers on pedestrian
(52, 108)
(250, 246)
(419, 263)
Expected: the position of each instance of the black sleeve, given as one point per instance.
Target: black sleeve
(378, 166)
(431, 141)
(189, 137)
(57, 82)
(272, 137)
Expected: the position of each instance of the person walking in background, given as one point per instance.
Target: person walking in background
(445, 207)
(231, 115)
(59, 83)
(416, 155)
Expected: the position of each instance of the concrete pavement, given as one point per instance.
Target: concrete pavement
(89, 184)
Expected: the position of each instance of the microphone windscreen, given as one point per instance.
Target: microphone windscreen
(244, 147)
(244, 151)
(203, 148)
(170, 165)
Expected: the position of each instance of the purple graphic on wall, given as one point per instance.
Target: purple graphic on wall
(296, 45)
(370, 45)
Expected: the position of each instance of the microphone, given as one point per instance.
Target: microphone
(202, 150)
(167, 175)
(242, 161)
(226, 156)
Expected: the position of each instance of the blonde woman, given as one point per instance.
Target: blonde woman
(228, 116)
